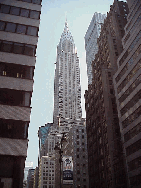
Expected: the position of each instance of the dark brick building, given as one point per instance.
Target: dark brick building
(105, 152)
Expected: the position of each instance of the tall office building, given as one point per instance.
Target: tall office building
(28, 165)
(127, 81)
(75, 146)
(91, 37)
(67, 104)
(30, 178)
(67, 89)
(46, 172)
(19, 25)
(105, 153)
(43, 134)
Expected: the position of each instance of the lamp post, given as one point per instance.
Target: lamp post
(58, 147)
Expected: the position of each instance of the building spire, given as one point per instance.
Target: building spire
(66, 16)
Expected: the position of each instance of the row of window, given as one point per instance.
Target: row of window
(131, 117)
(13, 129)
(129, 77)
(131, 103)
(130, 89)
(18, 11)
(133, 132)
(14, 97)
(135, 24)
(133, 148)
(38, 2)
(18, 28)
(135, 181)
(130, 48)
(130, 62)
(133, 10)
(17, 48)
(16, 71)
(50, 186)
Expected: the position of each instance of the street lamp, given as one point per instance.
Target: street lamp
(58, 147)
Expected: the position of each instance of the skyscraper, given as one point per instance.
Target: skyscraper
(67, 89)
(127, 82)
(91, 37)
(19, 25)
(67, 109)
(105, 154)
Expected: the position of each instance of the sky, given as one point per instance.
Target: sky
(52, 21)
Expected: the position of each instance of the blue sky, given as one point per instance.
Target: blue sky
(79, 14)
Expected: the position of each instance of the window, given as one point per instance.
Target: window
(6, 46)
(15, 11)
(111, 91)
(21, 29)
(11, 27)
(110, 82)
(34, 14)
(29, 1)
(29, 50)
(12, 130)
(4, 9)
(24, 13)
(18, 48)
(78, 171)
(77, 156)
(36, 2)
(109, 74)
(2, 25)
(32, 31)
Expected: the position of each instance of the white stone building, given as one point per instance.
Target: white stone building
(91, 46)
(67, 89)
(46, 172)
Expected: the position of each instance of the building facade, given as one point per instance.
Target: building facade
(105, 153)
(46, 172)
(42, 135)
(75, 146)
(30, 178)
(91, 37)
(19, 25)
(28, 165)
(67, 103)
(36, 177)
(67, 89)
(127, 81)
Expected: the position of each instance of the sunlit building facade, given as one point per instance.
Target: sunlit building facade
(91, 45)
(46, 172)
(67, 89)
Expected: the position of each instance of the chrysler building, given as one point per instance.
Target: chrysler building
(67, 89)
